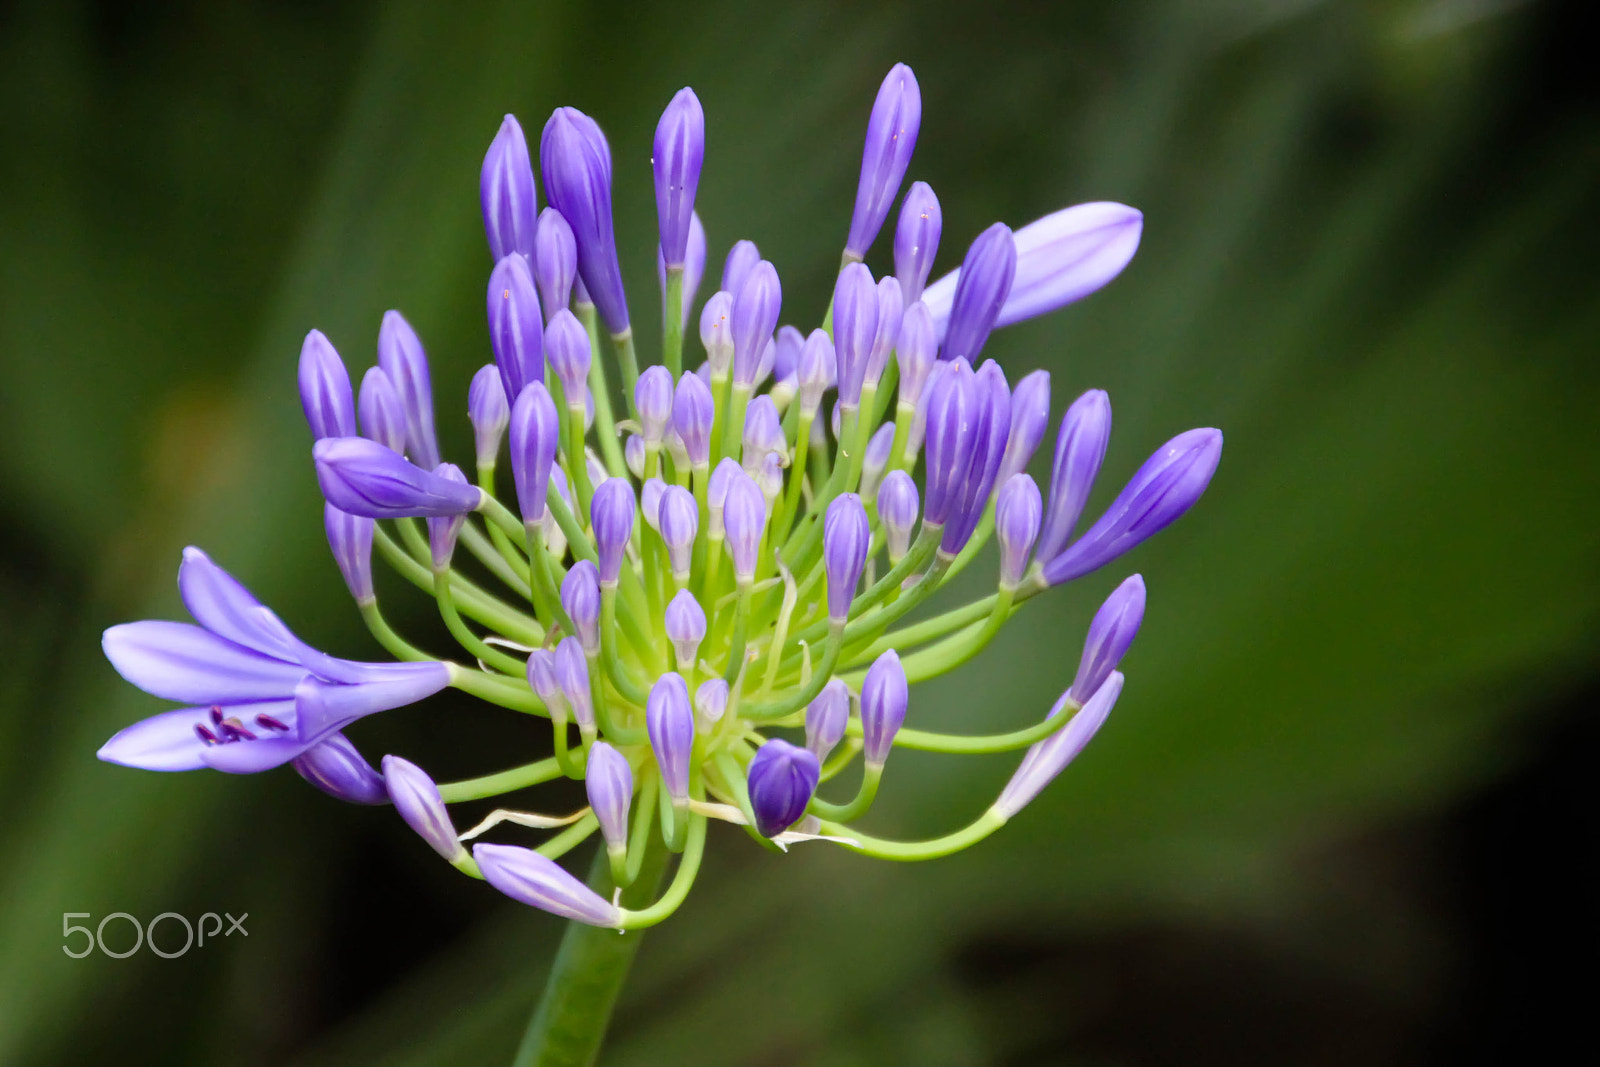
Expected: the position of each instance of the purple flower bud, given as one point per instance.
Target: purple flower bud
(679, 152)
(580, 596)
(897, 507)
(883, 706)
(769, 355)
(566, 346)
(1080, 449)
(555, 261)
(782, 779)
(710, 703)
(633, 455)
(524, 875)
(383, 417)
(744, 518)
(1163, 489)
(443, 531)
(717, 491)
(693, 411)
(916, 239)
(611, 518)
(350, 538)
(686, 627)
(1017, 513)
(489, 411)
(742, 259)
(576, 161)
(402, 359)
(572, 675)
(855, 326)
(716, 331)
(916, 353)
(876, 459)
(816, 370)
(417, 800)
(650, 501)
(325, 389)
(652, 397)
(542, 680)
(609, 782)
(364, 478)
(535, 435)
(891, 309)
(516, 325)
(1030, 414)
(670, 723)
(992, 430)
(827, 718)
(1114, 627)
(786, 357)
(756, 306)
(335, 767)
(678, 520)
(981, 291)
(952, 419)
(891, 138)
(510, 203)
(846, 535)
(763, 433)
(1049, 757)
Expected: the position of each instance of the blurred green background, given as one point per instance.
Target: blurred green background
(1345, 811)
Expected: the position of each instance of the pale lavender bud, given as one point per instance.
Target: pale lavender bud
(837, 420)
(678, 520)
(855, 326)
(652, 398)
(580, 596)
(402, 359)
(891, 309)
(1164, 488)
(535, 437)
(591, 461)
(827, 718)
(916, 353)
(350, 538)
(693, 411)
(770, 477)
(756, 306)
(1080, 449)
(1049, 757)
(525, 876)
(717, 491)
(505, 186)
(846, 536)
(650, 501)
(383, 417)
(611, 519)
(1017, 513)
(769, 356)
(883, 706)
(744, 519)
(897, 508)
(686, 627)
(782, 778)
(716, 331)
(489, 411)
(785, 362)
(364, 478)
(678, 153)
(608, 780)
(710, 703)
(1030, 414)
(334, 766)
(674, 446)
(443, 530)
(986, 276)
(694, 268)
(554, 539)
(669, 720)
(876, 460)
(990, 434)
(417, 800)
(815, 370)
(1114, 627)
(576, 161)
(742, 259)
(566, 346)
(952, 416)
(516, 325)
(572, 675)
(542, 680)
(325, 389)
(763, 433)
(891, 138)
(555, 261)
(633, 455)
(916, 239)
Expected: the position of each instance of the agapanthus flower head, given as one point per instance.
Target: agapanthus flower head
(891, 138)
(383, 417)
(325, 389)
(506, 189)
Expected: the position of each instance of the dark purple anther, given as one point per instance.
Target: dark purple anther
(1080, 449)
(580, 597)
(669, 720)
(205, 735)
(693, 411)
(993, 428)
(566, 346)
(891, 138)
(916, 239)
(883, 707)
(402, 359)
(443, 530)
(827, 718)
(782, 778)
(555, 261)
(535, 436)
(576, 161)
(268, 722)
(383, 416)
(611, 517)
(608, 780)
(364, 478)
(339, 770)
(855, 327)
(1017, 512)
(677, 155)
(897, 508)
(516, 325)
(981, 291)
(1114, 627)
(325, 389)
(756, 306)
(350, 538)
(510, 203)
(1030, 415)
(846, 536)
(417, 800)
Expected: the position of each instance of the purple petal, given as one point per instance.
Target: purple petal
(524, 875)
(178, 661)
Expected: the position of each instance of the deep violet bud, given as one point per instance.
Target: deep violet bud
(1017, 513)
(981, 291)
(417, 800)
(891, 310)
(742, 259)
(756, 306)
(951, 428)
(443, 531)
(694, 268)
(350, 538)
(1164, 488)
(555, 261)
(916, 239)
(325, 389)
(678, 520)
(489, 411)
(1080, 449)
(916, 352)
(510, 203)
(846, 535)
(576, 161)
(876, 459)
(535, 436)
(716, 326)
(816, 370)
(525, 876)
(883, 706)
(652, 398)
(669, 720)
(402, 359)
(572, 675)
(542, 680)
(609, 782)
(364, 478)
(516, 325)
(611, 517)
(1049, 757)
(383, 417)
(710, 703)
(335, 767)
(693, 411)
(1030, 415)
(782, 778)
(990, 434)
(855, 326)
(580, 596)
(676, 157)
(686, 628)
(1114, 627)
(566, 346)
(827, 718)
(744, 519)
(891, 138)
(897, 507)
(763, 433)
